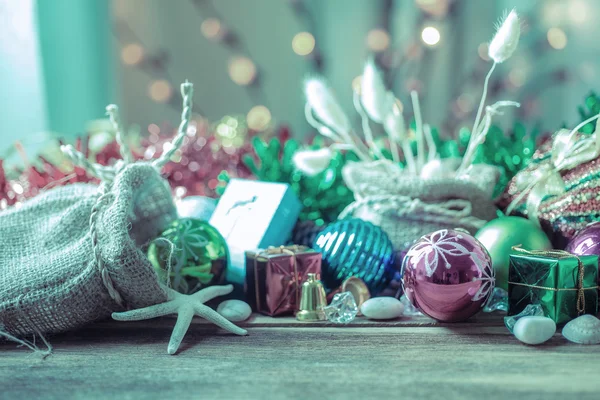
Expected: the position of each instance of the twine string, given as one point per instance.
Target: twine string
(456, 211)
(106, 279)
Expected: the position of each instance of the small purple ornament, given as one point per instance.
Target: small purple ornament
(448, 275)
(586, 242)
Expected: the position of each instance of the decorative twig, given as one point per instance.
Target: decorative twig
(366, 127)
(419, 130)
(113, 114)
(187, 92)
(502, 46)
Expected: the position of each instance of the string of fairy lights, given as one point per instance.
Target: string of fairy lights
(244, 71)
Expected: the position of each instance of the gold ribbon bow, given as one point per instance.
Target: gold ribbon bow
(559, 254)
(568, 151)
(289, 250)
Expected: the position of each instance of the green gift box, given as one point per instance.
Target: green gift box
(563, 284)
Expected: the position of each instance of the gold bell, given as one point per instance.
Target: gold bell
(312, 301)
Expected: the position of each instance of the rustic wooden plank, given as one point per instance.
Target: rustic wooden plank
(476, 360)
(258, 320)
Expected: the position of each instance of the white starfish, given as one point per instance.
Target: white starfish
(185, 306)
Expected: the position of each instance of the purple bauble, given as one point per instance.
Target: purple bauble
(448, 275)
(586, 242)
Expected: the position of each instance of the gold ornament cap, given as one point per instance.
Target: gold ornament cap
(359, 290)
(312, 301)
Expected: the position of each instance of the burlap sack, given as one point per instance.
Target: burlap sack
(51, 277)
(408, 207)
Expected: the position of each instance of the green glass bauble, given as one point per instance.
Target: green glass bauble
(192, 253)
(500, 235)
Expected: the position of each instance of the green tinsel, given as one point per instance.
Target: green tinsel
(510, 152)
(591, 108)
(324, 196)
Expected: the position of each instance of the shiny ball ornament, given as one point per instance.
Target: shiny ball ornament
(353, 247)
(586, 242)
(501, 234)
(191, 254)
(448, 275)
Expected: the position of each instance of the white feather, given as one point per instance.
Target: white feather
(394, 125)
(506, 39)
(373, 93)
(325, 106)
(312, 162)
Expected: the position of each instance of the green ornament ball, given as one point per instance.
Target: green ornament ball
(501, 234)
(191, 254)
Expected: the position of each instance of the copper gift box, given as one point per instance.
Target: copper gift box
(274, 277)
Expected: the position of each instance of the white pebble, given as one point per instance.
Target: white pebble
(234, 310)
(534, 329)
(382, 308)
(583, 330)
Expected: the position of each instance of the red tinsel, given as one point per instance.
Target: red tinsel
(31, 180)
(195, 171)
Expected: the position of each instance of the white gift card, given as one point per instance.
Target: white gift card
(251, 215)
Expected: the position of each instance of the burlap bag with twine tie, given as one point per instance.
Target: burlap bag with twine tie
(72, 255)
(408, 207)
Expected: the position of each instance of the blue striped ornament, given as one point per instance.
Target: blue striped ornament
(353, 247)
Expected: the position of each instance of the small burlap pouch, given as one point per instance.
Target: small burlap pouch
(407, 207)
(50, 280)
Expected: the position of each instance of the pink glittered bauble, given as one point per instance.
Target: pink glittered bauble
(448, 275)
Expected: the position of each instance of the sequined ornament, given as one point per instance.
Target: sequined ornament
(448, 275)
(191, 253)
(563, 215)
(501, 234)
(353, 247)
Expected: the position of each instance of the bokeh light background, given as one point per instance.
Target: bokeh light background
(62, 61)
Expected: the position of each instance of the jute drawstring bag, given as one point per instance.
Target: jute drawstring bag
(72, 255)
(407, 207)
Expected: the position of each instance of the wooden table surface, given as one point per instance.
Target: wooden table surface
(285, 359)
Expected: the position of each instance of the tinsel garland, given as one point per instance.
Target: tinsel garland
(20, 184)
(194, 170)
